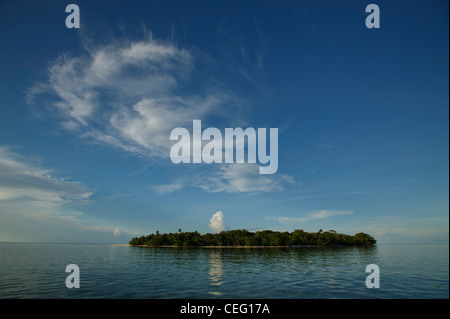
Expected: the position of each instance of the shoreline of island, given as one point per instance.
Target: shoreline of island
(172, 246)
(293, 246)
(241, 238)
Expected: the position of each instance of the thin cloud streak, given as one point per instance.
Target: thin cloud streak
(243, 178)
(26, 182)
(31, 195)
(319, 214)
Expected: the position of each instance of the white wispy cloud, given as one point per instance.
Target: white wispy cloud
(131, 94)
(126, 94)
(169, 188)
(319, 214)
(31, 195)
(243, 178)
(28, 182)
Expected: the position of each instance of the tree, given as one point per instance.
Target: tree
(242, 237)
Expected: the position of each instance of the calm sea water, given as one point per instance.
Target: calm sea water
(32, 270)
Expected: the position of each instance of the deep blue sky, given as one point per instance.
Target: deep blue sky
(85, 117)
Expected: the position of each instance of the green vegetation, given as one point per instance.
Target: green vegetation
(242, 237)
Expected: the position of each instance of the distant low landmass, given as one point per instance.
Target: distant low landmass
(242, 237)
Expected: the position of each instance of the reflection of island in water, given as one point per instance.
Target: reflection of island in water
(264, 238)
(286, 270)
(215, 272)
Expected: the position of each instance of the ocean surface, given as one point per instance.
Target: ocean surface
(36, 270)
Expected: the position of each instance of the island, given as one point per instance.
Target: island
(245, 238)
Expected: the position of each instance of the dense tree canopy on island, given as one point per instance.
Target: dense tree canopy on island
(242, 237)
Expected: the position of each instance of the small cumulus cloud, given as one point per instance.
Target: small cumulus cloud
(217, 222)
(116, 232)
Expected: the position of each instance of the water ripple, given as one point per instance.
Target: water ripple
(38, 271)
